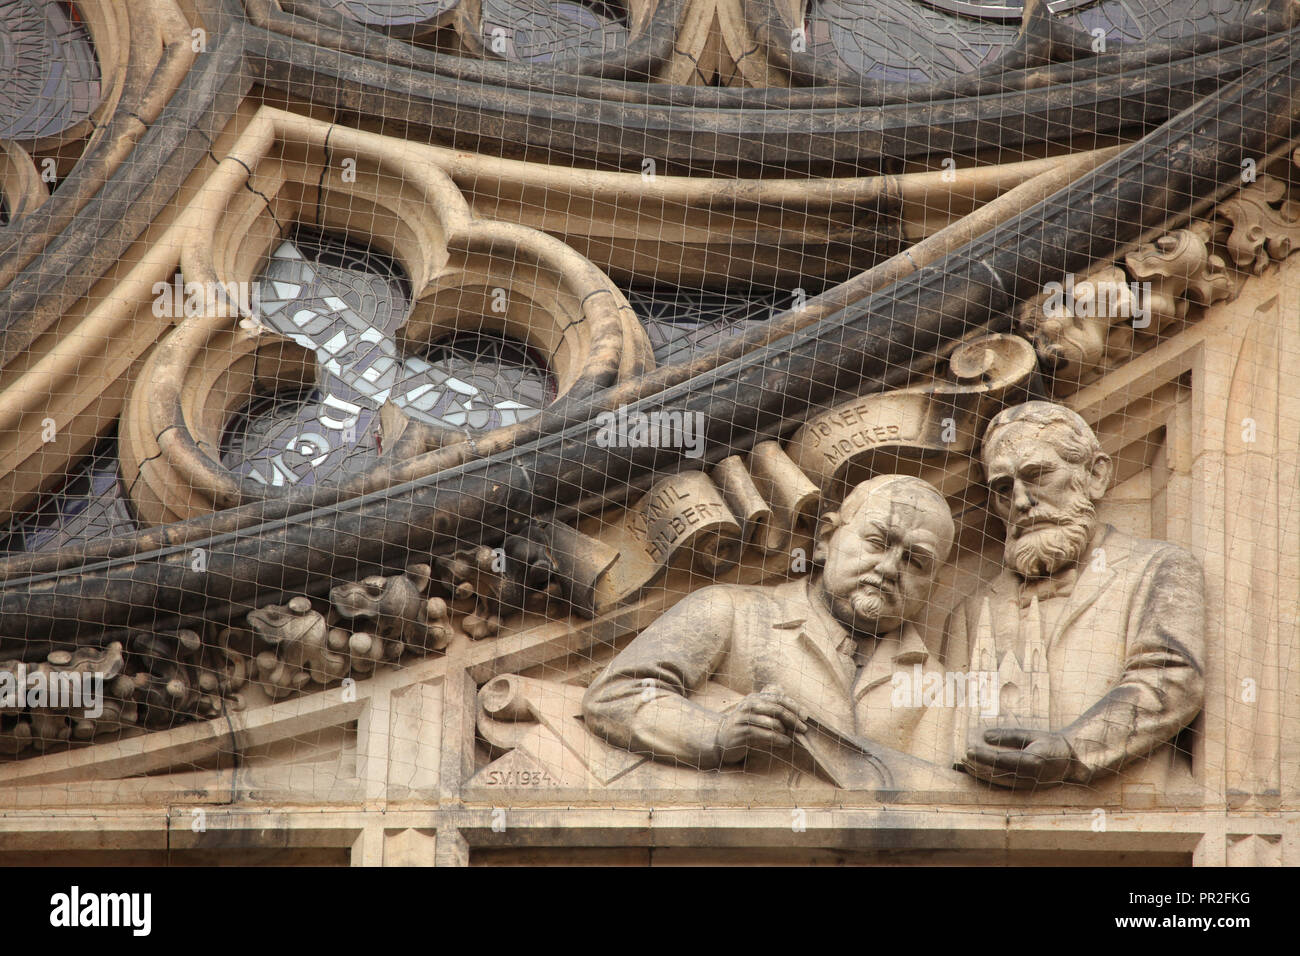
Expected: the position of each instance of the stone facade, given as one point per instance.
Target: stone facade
(355, 455)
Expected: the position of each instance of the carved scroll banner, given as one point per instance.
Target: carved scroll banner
(683, 514)
(770, 496)
(837, 447)
(703, 520)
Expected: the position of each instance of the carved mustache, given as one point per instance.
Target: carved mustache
(1033, 519)
(878, 583)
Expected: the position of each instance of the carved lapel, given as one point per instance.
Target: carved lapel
(825, 647)
(1094, 577)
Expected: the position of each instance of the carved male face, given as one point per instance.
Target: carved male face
(882, 551)
(1045, 479)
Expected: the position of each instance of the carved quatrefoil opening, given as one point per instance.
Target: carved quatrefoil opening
(346, 303)
(479, 380)
(303, 360)
(51, 74)
(343, 302)
(539, 32)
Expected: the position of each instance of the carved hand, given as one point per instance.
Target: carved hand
(1038, 758)
(764, 720)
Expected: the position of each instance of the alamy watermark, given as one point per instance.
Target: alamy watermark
(60, 690)
(977, 690)
(663, 429)
(75, 909)
(1100, 298)
(228, 300)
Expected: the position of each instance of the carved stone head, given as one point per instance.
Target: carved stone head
(881, 551)
(1046, 472)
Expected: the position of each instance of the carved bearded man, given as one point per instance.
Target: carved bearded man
(1095, 637)
(735, 669)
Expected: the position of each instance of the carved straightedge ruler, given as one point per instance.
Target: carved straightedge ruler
(850, 762)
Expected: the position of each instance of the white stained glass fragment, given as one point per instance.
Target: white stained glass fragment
(303, 316)
(287, 250)
(287, 290)
(337, 304)
(456, 385)
(350, 412)
(335, 344)
(414, 394)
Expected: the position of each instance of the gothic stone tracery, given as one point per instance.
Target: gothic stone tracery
(441, 406)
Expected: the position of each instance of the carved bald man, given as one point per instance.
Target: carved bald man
(824, 647)
(1120, 620)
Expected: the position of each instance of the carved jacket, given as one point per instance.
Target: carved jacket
(1124, 647)
(666, 693)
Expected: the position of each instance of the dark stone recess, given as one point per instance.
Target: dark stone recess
(52, 257)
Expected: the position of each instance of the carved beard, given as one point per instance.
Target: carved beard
(865, 610)
(1046, 550)
(869, 604)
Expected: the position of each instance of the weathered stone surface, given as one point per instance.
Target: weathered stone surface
(451, 432)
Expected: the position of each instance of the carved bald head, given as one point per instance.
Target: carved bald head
(881, 551)
(1046, 472)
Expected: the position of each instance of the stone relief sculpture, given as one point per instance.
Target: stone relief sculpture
(1081, 659)
(1096, 637)
(821, 649)
(402, 443)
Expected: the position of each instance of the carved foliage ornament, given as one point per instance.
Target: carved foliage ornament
(1082, 328)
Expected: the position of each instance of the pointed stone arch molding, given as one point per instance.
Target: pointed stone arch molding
(162, 113)
(21, 187)
(285, 169)
(144, 52)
